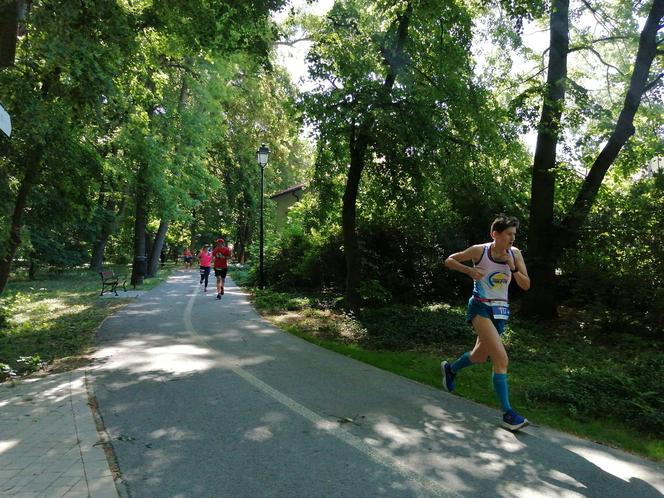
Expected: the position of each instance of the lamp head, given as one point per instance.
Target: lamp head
(262, 155)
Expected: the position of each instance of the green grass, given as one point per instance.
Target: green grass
(576, 380)
(55, 316)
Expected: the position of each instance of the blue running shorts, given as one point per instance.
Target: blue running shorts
(476, 307)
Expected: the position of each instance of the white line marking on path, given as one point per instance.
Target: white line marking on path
(381, 457)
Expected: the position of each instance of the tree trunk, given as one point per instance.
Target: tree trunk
(358, 148)
(139, 237)
(149, 239)
(8, 32)
(157, 247)
(192, 232)
(98, 250)
(14, 235)
(544, 249)
(358, 144)
(245, 241)
(242, 240)
(541, 300)
(108, 227)
(32, 268)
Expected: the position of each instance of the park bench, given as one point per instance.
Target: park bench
(111, 280)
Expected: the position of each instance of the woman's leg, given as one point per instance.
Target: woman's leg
(462, 361)
(489, 344)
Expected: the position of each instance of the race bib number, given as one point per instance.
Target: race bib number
(500, 310)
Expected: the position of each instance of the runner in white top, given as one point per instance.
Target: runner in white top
(492, 287)
(495, 264)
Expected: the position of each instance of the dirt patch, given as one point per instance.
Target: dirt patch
(321, 324)
(66, 364)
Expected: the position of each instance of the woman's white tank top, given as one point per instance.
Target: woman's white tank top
(496, 280)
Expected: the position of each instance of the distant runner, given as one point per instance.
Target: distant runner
(494, 265)
(187, 257)
(204, 260)
(221, 255)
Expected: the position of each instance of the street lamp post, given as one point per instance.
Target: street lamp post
(261, 156)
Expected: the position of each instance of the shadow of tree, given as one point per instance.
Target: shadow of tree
(203, 398)
(53, 318)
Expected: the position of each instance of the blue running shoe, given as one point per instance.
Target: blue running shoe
(513, 421)
(448, 376)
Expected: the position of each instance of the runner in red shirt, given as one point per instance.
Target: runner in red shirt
(187, 257)
(221, 254)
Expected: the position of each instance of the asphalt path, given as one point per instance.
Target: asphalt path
(203, 397)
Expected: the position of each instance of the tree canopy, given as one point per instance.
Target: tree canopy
(136, 125)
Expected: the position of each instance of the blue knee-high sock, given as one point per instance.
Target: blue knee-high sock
(462, 361)
(502, 390)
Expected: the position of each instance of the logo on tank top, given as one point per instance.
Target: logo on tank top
(498, 280)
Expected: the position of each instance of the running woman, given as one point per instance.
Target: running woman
(495, 264)
(204, 260)
(221, 255)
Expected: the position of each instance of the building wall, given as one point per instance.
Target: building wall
(283, 203)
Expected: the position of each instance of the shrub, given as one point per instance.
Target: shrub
(299, 259)
(373, 293)
(278, 301)
(6, 372)
(636, 389)
(402, 327)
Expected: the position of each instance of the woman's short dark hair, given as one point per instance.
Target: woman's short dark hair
(503, 222)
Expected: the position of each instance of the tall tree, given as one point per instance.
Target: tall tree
(543, 177)
(396, 90)
(53, 87)
(109, 210)
(545, 248)
(218, 31)
(9, 17)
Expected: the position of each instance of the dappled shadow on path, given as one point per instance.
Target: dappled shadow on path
(214, 401)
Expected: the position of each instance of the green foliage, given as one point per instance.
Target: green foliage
(5, 313)
(373, 294)
(243, 276)
(402, 251)
(218, 27)
(442, 156)
(302, 257)
(635, 387)
(63, 67)
(233, 208)
(617, 267)
(400, 327)
(116, 104)
(27, 364)
(271, 301)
